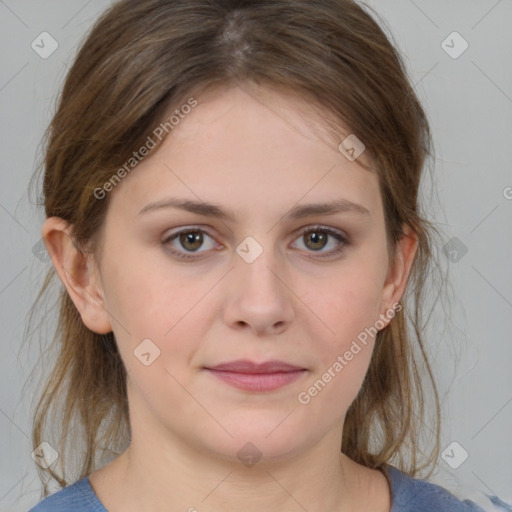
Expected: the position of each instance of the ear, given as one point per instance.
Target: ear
(77, 272)
(398, 272)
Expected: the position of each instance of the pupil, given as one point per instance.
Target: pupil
(317, 238)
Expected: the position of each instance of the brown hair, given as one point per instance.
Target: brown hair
(142, 57)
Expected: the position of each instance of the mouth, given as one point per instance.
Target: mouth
(249, 376)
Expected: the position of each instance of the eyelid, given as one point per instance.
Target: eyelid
(342, 237)
(167, 238)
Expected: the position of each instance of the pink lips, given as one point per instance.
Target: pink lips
(249, 376)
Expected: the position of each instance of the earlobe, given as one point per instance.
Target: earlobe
(76, 271)
(399, 271)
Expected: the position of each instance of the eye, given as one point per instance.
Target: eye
(192, 239)
(317, 238)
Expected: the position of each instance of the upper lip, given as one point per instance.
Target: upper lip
(246, 366)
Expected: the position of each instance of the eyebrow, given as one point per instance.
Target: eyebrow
(297, 212)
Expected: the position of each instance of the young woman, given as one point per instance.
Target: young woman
(231, 193)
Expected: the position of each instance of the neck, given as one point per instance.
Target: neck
(206, 484)
(148, 476)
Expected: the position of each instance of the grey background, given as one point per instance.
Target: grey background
(469, 103)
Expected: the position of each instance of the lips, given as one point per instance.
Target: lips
(257, 377)
(246, 366)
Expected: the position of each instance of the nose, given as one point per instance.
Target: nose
(258, 298)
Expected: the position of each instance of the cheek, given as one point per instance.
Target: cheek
(171, 314)
(348, 306)
(167, 309)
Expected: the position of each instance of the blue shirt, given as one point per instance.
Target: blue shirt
(407, 495)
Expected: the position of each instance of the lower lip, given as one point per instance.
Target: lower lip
(258, 381)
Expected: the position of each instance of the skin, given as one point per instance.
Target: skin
(258, 153)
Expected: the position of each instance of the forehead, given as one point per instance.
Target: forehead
(248, 147)
(260, 114)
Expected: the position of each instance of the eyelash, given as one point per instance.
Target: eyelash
(342, 239)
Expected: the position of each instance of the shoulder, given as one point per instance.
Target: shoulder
(409, 493)
(79, 496)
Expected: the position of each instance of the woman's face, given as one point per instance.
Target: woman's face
(250, 284)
